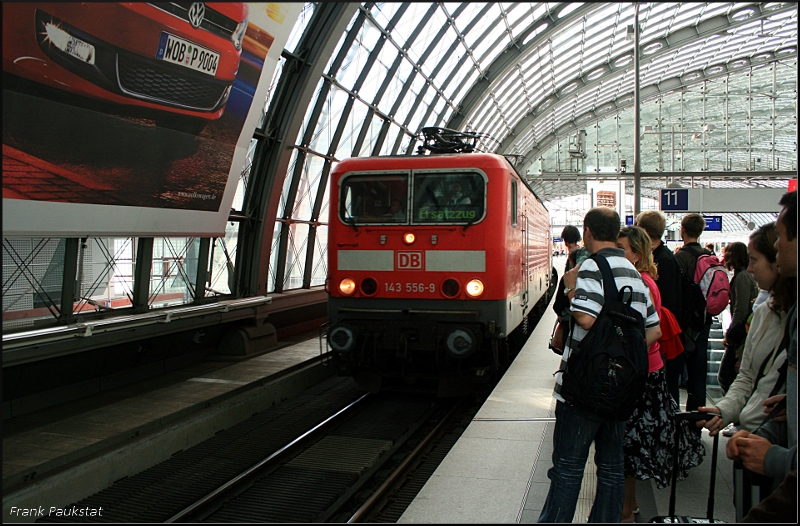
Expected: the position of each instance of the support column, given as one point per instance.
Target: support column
(65, 314)
(637, 160)
(141, 274)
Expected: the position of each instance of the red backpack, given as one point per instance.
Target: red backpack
(713, 280)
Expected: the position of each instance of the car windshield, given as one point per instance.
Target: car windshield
(439, 197)
(448, 197)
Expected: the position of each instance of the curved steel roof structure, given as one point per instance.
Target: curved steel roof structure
(530, 75)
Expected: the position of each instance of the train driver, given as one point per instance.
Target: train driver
(395, 211)
(456, 196)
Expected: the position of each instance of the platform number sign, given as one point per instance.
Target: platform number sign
(713, 223)
(676, 200)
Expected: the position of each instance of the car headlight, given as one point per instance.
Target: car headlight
(238, 34)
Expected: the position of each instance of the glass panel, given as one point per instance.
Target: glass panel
(448, 197)
(33, 269)
(173, 273)
(486, 22)
(488, 48)
(357, 55)
(432, 26)
(320, 262)
(389, 98)
(300, 26)
(356, 119)
(296, 256)
(287, 183)
(241, 187)
(308, 187)
(273, 256)
(328, 119)
(384, 11)
(438, 53)
(223, 256)
(386, 147)
(417, 84)
(373, 199)
(371, 138)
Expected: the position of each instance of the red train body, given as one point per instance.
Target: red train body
(435, 265)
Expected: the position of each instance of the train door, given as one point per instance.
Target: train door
(524, 222)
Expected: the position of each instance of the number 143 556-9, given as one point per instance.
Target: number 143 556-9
(409, 287)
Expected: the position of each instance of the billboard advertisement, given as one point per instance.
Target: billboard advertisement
(132, 119)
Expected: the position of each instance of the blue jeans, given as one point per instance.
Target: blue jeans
(573, 435)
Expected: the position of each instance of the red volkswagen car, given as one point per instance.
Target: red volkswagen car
(180, 59)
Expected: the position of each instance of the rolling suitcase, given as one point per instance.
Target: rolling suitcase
(691, 416)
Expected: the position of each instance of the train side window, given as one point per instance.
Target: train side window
(514, 200)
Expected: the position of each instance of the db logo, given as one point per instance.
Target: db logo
(409, 260)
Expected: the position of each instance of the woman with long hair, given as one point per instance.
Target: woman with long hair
(743, 293)
(649, 441)
(761, 360)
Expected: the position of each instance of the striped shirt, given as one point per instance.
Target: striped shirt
(589, 299)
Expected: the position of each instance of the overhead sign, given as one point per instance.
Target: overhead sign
(93, 148)
(713, 223)
(719, 200)
(675, 199)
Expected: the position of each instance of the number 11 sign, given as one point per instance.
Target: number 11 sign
(675, 200)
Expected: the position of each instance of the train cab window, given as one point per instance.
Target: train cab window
(374, 199)
(448, 197)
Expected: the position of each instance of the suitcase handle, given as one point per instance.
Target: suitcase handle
(694, 416)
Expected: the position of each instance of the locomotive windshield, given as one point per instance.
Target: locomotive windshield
(451, 197)
(374, 199)
(448, 197)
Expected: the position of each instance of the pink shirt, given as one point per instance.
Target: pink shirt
(653, 352)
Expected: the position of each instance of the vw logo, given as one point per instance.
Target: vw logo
(196, 12)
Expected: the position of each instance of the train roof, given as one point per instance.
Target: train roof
(445, 160)
(440, 160)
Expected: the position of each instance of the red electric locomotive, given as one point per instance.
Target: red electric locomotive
(436, 265)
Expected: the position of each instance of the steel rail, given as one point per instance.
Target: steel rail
(235, 483)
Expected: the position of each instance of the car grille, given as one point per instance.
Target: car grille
(151, 81)
(213, 21)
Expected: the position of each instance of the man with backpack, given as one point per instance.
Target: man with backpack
(576, 425)
(697, 310)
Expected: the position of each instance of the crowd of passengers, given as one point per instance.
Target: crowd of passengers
(758, 373)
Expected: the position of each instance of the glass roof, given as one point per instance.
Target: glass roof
(529, 75)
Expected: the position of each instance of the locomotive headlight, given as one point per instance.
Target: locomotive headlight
(409, 238)
(347, 286)
(460, 342)
(474, 288)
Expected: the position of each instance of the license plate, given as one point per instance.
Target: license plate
(187, 54)
(80, 50)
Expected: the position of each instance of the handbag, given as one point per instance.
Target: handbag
(559, 336)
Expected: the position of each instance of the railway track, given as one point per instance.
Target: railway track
(333, 454)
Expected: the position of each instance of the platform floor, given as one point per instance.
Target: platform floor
(59, 455)
(497, 471)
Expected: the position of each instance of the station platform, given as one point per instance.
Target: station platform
(60, 455)
(497, 471)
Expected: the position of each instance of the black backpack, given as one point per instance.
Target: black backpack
(606, 374)
(693, 302)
